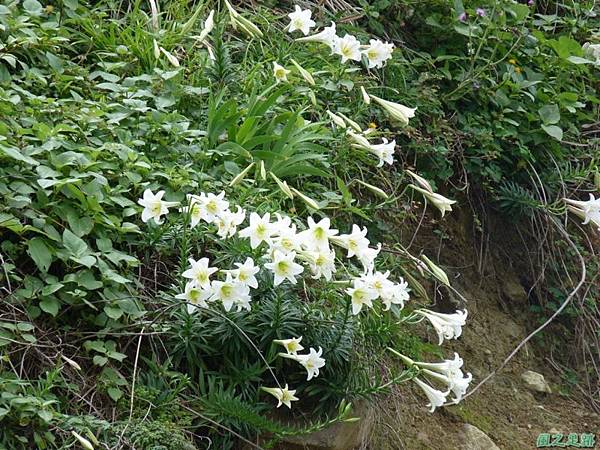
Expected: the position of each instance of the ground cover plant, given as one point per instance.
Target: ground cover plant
(198, 200)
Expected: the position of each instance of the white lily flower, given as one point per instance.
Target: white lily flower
(442, 203)
(284, 267)
(384, 151)
(194, 209)
(456, 381)
(200, 272)
(286, 241)
(284, 396)
(336, 119)
(195, 297)
(154, 206)
(588, 210)
(321, 263)
(447, 326)
(592, 50)
(367, 256)
(231, 292)
(246, 273)
(361, 295)
(327, 36)
(396, 111)
(209, 24)
(378, 281)
(396, 295)
(355, 242)
(312, 362)
(436, 398)
(378, 52)
(318, 234)
(348, 48)
(260, 230)
(280, 73)
(447, 367)
(228, 221)
(301, 20)
(211, 205)
(292, 345)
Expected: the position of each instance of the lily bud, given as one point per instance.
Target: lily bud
(377, 191)
(309, 201)
(365, 96)
(240, 176)
(396, 111)
(436, 271)
(305, 73)
(282, 185)
(87, 445)
(156, 49)
(352, 123)
(172, 59)
(336, 119)
(420, 181)
(263, 171)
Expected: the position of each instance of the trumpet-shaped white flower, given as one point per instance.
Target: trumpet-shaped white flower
(292, 345)
(447, 367)
(365, 98)
(436, 398)
(456, 381)
(439, 201)
(397, 295)
(228, 221)
(246, 273)
(396, 111)
(213, 205)
(384, 151)
(284, 396)
(447, 326)
(200, 272)
(301, 20)
(284, 267)
(355, 242)
(361, 294)
(378, 52)
(194, 209)
(367, 256)
(347, 47)
(322, 263)
(318, 234)
(279, 72)
(154, 206)
(327, 36)
(312, 362)
(231, 292)
(260, 230)
(588, 210)
(195, 297)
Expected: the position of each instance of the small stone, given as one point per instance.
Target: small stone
(535, 382)
(553, 430)
(475, 439)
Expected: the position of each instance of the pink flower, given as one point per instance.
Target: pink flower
(462, 17)
(480, 12)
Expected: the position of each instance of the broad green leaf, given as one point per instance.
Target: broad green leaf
(40, 253)
(50, 305)
(16, 154)
(114, 312)
(549, 114)
(114, 393)
(33, 7)
(554, 131)
(74, 244)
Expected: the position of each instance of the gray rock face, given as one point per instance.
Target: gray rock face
(475, 439)
(535, 381)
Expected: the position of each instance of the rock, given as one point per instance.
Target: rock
(475, 439)
(535, 381)
(340, 436)
(514, 291)
(553, 430)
